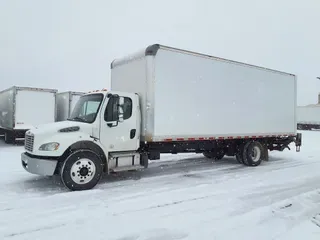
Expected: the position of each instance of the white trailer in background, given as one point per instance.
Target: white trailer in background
(22, 108)
(168, 100)
(308, 117)
(65, 102)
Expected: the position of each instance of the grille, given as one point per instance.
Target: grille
(28, 142)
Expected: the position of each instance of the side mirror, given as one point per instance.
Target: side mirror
(120, 109)
(117, 110)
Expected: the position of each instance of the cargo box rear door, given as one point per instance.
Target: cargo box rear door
(33, 108)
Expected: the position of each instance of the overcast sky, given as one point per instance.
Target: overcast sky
(68, 45)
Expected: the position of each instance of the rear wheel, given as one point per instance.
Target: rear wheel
(215, 155)
(220, 154)
(207, 155)
(253, 153)
(82, 170)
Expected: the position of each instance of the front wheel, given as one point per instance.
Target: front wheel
(82, 170)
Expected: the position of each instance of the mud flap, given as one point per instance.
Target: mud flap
(298, 141)
(266, 153)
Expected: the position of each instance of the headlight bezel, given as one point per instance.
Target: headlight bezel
(49, 147)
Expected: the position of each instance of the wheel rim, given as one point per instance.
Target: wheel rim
(256, 154)
(82, 171)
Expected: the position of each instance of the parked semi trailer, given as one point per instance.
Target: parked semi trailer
(65, 103)
(168, 100)
(308, 117)
(22, 108)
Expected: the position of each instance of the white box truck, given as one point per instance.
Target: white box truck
(168, 100)
(65, 103)
(308, 117)
(22, 108)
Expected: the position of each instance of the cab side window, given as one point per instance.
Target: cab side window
(127, 108)
(110, 113)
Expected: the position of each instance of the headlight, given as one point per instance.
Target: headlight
(53, 146)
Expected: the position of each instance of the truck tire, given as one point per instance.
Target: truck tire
(81, 170)
(253, 153)
(207, 155)
(220, 154)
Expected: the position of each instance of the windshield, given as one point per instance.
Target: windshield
(86, 109)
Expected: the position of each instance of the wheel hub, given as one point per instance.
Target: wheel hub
(82, 171)
(255, 154)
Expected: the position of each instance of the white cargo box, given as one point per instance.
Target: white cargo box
(22, 108)
(65, 102)
(308, 114)
(190, 95)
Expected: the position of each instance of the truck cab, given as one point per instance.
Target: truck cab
(101, 135)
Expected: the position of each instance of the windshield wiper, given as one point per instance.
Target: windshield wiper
(76, 119)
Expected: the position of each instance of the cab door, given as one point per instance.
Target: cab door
(120, 125)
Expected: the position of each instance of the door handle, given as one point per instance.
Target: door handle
(132, 133)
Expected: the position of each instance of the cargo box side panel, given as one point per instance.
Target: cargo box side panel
(132, 77)
(62, 103)
(308, 114)
(196, 96)
(7, 99)
(34, 108)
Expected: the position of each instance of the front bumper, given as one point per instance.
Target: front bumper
(38, 166)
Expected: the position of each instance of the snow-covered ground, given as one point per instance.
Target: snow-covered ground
(179, 197)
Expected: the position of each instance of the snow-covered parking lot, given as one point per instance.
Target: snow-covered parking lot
(179, 197)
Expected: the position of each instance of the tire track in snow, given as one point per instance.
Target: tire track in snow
(33, 230)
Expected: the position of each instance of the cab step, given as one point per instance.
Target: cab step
(127, 168)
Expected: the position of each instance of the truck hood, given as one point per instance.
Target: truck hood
(68, 126)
